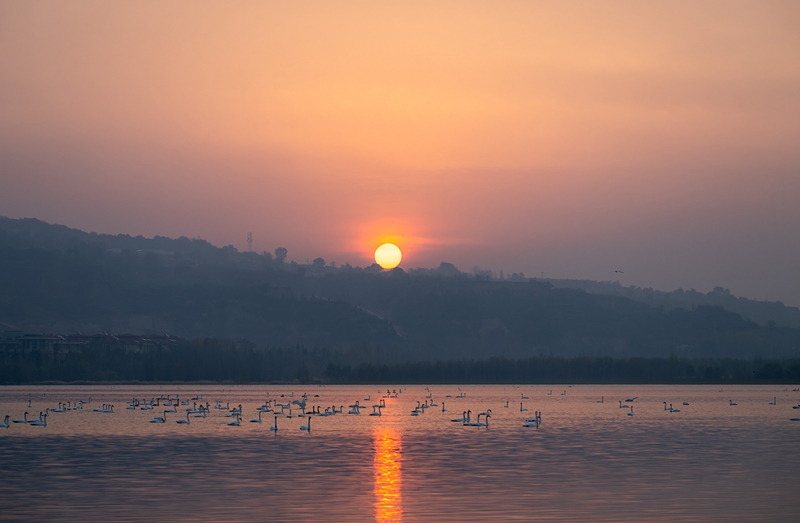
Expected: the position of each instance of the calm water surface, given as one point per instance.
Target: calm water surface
(588, 461)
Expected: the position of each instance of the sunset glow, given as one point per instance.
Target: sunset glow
(388, 476)
(526, 136)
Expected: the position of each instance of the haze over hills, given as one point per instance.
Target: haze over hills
(60, 280)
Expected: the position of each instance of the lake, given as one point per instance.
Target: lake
(587, 461)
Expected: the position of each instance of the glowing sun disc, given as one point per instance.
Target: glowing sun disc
(388, 256)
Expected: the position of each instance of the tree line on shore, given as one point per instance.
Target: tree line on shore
(214, 360)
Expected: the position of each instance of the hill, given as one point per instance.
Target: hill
(60, 280)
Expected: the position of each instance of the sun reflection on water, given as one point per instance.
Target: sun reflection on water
(388, 475)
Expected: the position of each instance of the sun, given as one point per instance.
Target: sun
(388, 256)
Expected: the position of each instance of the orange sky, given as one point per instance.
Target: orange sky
(574, 138)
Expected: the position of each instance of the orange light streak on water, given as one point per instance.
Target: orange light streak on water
(388, 476)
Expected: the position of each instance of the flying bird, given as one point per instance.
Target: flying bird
(619, 272)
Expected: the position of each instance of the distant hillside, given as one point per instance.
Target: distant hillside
(761, 312)
(59, 280)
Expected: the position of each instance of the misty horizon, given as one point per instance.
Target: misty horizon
(525, 137)
(474, 270)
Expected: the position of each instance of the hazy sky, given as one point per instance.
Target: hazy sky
(574, 138)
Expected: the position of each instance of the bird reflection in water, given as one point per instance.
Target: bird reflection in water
(388, 476)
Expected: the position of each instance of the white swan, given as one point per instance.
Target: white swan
(38, 422)
(443, 409)
(376, 410)
(601, 399)
(183, 421)
(25, 420)
(631, 412)
(521, 408)
(307, 426)
(533, 423)
(275, 426)
(158, 419)
(524, 397)
(462, 419)
(774, 401)
(256, 420)
(235, 422)
(732, 403)
(4, 425)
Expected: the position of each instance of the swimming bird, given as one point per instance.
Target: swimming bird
(235, 422)
(631, 412)
(533, 422)
(732, 403)
(600, 400)
(774, 401)
(38, 422)
(506, 405)
(521, 408)
(307, 426)
(256, 420)
(524, 397)
(275, 426)
(159, 419)
(685, 402)
(464, 418)
(5, 425)
(24, 420)
(41, 422)
(443, 409)
(183, 421)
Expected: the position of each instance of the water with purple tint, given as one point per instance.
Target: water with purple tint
(706, 460)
